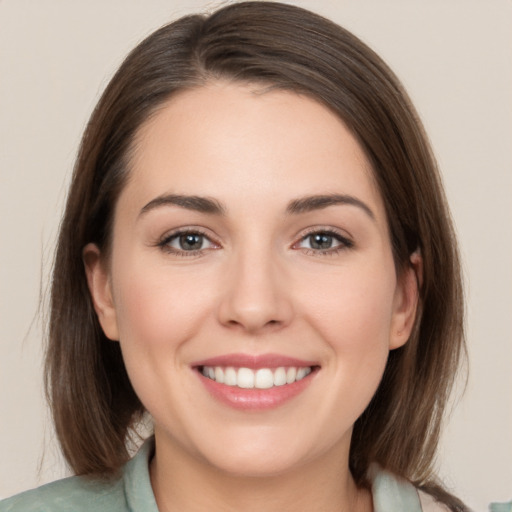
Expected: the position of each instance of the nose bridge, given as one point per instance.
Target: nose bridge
(255, 295)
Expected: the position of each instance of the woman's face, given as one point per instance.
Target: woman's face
(251, 283)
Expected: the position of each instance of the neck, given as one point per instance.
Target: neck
(188, 484)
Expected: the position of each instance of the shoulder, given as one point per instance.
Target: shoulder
(130, 491)
(74, 493)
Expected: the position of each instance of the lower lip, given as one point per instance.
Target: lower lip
(255, 399)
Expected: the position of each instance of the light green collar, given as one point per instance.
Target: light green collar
(391, 494)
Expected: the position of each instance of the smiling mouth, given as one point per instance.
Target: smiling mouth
(262, 378)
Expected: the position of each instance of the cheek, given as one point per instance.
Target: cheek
(353, 309)
(352, 312)
(158, 313)
(157, 307)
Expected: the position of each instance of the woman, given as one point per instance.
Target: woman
(256, 251)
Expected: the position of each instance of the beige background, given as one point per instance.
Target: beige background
(455, 58)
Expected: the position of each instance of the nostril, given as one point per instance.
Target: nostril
(257, 325)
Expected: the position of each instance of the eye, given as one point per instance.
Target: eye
(190, 242)
(324, 242)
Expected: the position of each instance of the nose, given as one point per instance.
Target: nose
(256, 294)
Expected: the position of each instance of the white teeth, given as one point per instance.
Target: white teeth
(291, 373)
(263, 378)
(219, 374)
(301, 373)
(245, 378)
(280, 377)
(230, 376)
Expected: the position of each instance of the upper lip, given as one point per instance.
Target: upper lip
(254, 361)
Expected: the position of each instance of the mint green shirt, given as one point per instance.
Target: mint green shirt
(132, 492)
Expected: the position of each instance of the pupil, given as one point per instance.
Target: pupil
(321, 241)
(190, 242)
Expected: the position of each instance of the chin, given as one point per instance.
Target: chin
(264, 465)
(266, 454)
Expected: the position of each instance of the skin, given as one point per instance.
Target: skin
(257, 286)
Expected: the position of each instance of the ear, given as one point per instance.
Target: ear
(98, 280)
(405, 304)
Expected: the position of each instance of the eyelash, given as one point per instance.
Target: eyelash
(344, 242)
(168, 238)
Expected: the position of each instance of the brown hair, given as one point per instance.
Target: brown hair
(94, 405)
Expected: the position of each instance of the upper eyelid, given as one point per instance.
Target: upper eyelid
(164, 243)
(187, 229)
(177, 234)
(346, 240)
(342, 234)
(324, 229)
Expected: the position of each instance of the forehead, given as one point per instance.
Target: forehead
(247, 140)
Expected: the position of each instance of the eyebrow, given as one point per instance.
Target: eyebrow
(196, 203)
(318, 202)
(297, 206)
